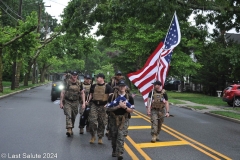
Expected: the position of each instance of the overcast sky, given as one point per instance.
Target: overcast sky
(57, 7)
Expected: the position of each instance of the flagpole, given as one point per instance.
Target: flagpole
(158, 63)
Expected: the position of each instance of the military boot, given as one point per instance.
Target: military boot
(81, 131)
(114, 153)
(69, 132)
(153, 138)
(100, 140)
(92, 140)
(120, 156)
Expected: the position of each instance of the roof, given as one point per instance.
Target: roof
(232, 36)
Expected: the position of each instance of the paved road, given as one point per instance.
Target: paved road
(32, 127)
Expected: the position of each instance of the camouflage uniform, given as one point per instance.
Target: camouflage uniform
(158, 112)
(84, 112)
(71, 109)
(97, 115)
(119, 122)
(71, 102)
(114, 84)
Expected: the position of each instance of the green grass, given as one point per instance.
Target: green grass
(6, 84)
(227, 114)
(234, 109)
(197, 98)
(198, 107)
(8, 90)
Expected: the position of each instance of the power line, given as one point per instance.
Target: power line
(9, 8)
(58, 3)
(8, 13)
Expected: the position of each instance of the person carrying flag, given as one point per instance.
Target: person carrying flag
(157, 101)
(119, 110)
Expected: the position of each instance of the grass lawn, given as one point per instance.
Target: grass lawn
(8, 84)
(227, 114)
(196, 98)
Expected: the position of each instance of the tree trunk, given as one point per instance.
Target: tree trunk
(18, 71)
(27, 75)
(42, 79)
(13, 74)
(34, 72)
(1, 70)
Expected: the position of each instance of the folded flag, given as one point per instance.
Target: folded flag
(117, 100)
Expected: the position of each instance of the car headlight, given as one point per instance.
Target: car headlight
(61, 87)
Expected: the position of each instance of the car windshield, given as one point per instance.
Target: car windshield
(228, 88)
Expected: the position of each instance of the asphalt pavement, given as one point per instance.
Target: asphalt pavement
(187, 105)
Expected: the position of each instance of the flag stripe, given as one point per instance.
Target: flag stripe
(157, 65)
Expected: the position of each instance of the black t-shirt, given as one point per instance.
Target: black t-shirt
(164, 95)
(121, 111)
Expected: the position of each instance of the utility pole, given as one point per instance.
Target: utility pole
(34, 71)
(14, 65)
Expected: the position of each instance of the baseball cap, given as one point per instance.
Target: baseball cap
(74, 73)
(87, 76)
(157, 83)
(121, 83)
(118, 73)
(100, 75)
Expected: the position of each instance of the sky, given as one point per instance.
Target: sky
(57, 7)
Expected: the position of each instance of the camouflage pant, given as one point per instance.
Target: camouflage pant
(157, 118)
(70, 109)
(97, 120)
(118, 134)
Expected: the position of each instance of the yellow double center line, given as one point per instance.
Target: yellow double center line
(183, 140)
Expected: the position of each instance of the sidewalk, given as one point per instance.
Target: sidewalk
(209, 108)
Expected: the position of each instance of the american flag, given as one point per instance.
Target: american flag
(157, 65)
(117, 100)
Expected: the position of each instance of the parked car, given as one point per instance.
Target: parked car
(231, 95)
(172, 84)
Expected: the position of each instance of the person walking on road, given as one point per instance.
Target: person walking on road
(86, 85)
(99, 94)
(118, 119)
(114, 84)
(69, 101)
(157, 109)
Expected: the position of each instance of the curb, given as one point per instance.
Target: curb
(211, 114)
(223, 117)
(6, 95)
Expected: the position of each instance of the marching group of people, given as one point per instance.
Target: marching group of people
(108, 104)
